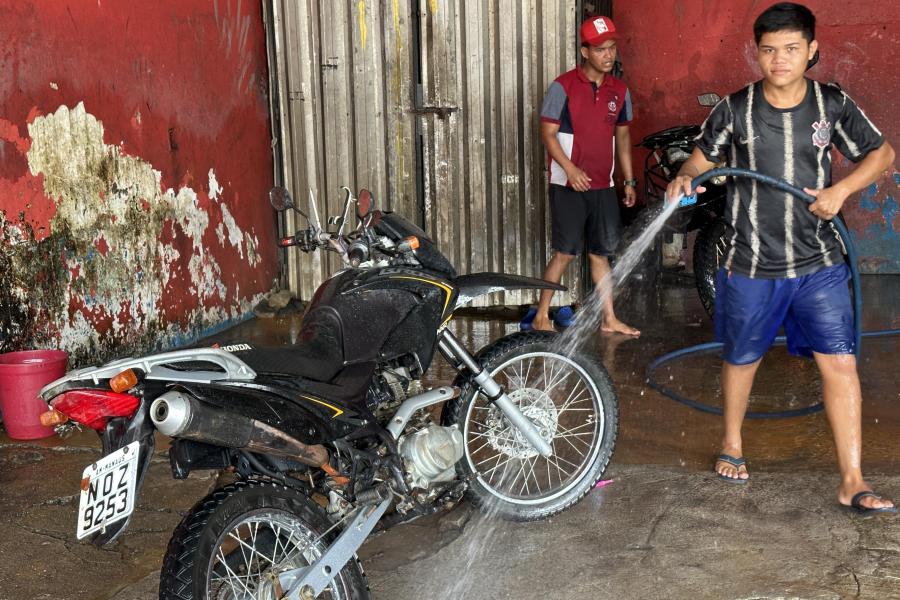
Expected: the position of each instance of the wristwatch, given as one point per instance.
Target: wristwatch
(631, 182)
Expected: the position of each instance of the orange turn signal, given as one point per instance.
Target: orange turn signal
(124, 381)
(53, 417)
(413, 242)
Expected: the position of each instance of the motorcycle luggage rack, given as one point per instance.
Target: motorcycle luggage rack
(156, 367)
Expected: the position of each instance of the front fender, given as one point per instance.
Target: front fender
(474, 285)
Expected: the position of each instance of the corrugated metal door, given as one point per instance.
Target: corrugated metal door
(431, 104)
(485, 67)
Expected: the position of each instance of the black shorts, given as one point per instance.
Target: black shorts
(574, 215)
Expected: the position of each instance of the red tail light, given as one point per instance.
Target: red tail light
(95, 408)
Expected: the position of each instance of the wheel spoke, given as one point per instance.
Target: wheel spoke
(233, 575)
(494, 468)
(555, 383)
(496, 456)
(537, 483)
(569, 401)
(528, 371)
(524, 487)
(562, 431)
(254, 536)
(576, 448)
(560, 469)
(568, 462)
(555, 464)
(242, 544)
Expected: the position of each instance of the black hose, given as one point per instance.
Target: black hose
(857, 303)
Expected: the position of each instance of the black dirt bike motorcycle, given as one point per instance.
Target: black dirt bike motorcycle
(333, 436)
(669, 149)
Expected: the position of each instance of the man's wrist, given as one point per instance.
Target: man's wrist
(630, 182)
(842, 189)
(683, 171)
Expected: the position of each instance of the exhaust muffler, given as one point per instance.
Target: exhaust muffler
(179, 415)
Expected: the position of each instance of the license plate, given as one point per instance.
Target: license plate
(107, 490)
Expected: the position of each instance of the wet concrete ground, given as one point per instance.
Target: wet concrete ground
(665, 528)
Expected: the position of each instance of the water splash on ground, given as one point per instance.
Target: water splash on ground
(482, 534)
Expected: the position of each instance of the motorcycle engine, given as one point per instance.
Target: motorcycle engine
(431, 453)
(391, 386)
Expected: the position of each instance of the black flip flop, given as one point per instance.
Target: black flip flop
(857, 507)
(734, 462)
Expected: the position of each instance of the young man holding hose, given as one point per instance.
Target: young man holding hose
(784, 266)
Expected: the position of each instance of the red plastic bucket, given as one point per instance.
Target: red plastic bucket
(22, 375)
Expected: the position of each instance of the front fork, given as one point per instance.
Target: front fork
(458, 356)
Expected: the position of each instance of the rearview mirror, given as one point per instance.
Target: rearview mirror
(363, 203)
(280, 198)
(708, 99)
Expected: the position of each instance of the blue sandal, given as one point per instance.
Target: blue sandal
(857, 507)
(734, 462)
(525, 323)
(564, 317)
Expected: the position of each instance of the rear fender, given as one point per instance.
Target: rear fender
(118, 434)
(474, 285)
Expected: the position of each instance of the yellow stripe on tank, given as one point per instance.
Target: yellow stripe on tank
(447, 289)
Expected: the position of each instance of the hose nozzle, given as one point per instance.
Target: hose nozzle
(687, 200)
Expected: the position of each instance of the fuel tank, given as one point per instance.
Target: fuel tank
(376, 315)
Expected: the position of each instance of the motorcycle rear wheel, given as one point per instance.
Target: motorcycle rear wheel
(571, 400)
(232, 542)
(709, 256)
(646, 271)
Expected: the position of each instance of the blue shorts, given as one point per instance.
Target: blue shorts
(814, 309)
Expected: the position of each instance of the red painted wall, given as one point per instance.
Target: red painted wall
(134, 137)
(674, 50)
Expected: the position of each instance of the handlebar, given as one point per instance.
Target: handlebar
(355, 247)
(305, 239)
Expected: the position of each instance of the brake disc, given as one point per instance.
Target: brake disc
(534, 404)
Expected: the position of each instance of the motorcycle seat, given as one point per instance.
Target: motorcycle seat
(302, 360)
(318, 354)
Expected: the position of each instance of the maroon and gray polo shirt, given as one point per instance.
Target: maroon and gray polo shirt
(587, 115)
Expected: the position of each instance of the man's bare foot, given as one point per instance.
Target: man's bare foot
(726, 464)
(617, 326)
(847, 491)
(542, 323)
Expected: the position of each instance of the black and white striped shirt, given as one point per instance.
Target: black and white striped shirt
(773, 233)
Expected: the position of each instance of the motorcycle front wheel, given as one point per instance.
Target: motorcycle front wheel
(569, 397)
(234, 542)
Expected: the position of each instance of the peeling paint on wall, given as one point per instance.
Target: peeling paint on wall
(117, 157)
(235, 235)
(124, 243)
(214, 188)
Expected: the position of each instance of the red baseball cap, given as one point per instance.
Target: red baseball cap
(597, 30)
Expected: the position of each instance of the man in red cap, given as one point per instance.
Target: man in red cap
(584, 126)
